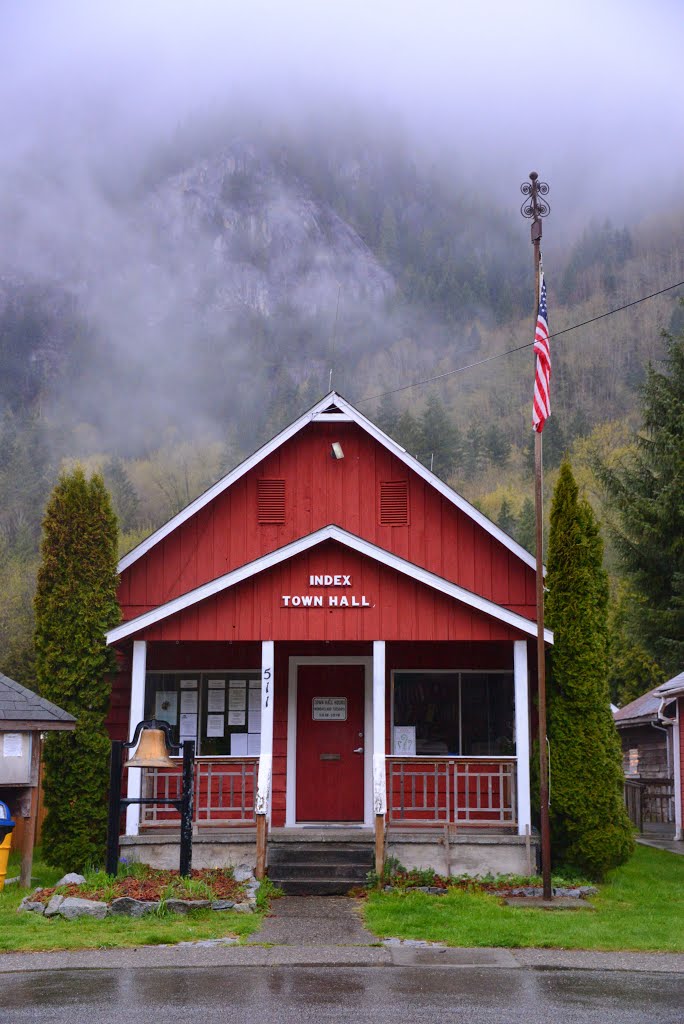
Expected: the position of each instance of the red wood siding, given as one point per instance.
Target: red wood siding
(319, 491)
(400, 608)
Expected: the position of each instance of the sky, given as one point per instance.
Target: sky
(587, 93)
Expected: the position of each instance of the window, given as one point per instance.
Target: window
(221, 711)
(436, 713)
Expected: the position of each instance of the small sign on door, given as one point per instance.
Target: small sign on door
(329, 709)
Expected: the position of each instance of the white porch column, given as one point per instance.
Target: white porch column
(263, 799)
(137, 714)
(522, 734)
(379, 770)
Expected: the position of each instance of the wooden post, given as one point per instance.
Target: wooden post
(379, 844)
(30, 821)
(260, 870)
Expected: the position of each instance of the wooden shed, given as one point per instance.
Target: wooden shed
(23, 717)
(349, 642)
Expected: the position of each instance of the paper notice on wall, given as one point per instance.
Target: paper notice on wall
(12, 744)
(236, 718)
(166, 706)
(216, 700)
(237, 684)
(255, 700)
(253, 744)
(238, 744)
(188, 684)
(237, 700)
(215, 725)
(255, 684)
(188, 727)
(188, 702)
(404, 740)
(216, 684)
(255, 721)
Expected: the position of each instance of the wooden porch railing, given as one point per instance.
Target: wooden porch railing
(650, 801)
(225, 792)
(452, 791)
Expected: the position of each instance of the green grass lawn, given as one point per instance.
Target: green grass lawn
(640, 907)
(32, 932)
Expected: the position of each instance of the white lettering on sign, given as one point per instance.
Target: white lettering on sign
(339, 580)
(329, 709)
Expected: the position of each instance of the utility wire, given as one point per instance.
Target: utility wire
(519, 348)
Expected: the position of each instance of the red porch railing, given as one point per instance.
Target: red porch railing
(452, 791)
(225, 793)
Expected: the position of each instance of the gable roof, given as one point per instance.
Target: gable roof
(302, 544)
(332, 408)
(21, 705)
(643, 709)
(673, 687)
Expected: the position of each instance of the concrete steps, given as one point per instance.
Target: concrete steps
(319, 868)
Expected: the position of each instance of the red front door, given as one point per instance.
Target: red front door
(330, 742)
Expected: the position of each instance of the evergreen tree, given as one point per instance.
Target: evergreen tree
(387, 416)
(124, 495)
(440, 440)
(75, 604)
(589, 825)
(525, 530)
(645, 499)
(632, 671)
(505, 518)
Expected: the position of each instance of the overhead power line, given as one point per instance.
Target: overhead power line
(519, 348)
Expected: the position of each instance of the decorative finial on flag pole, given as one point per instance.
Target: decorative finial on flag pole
(535, 208)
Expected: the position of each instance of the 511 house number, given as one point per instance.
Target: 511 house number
(326, 600)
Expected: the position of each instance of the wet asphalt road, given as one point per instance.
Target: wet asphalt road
(381, 995)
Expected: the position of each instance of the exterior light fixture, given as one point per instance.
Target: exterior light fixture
(336, 450)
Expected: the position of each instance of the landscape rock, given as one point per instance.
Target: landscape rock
(28, 904)
(126, 906)
(222, 905)
(185, 906)
(244, 908)
(53, 906)
(71, 879)
(243, 873)
(73, 907)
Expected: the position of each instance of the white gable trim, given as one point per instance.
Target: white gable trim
(302, 544)
(320, 412)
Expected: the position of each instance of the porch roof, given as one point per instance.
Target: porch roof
(302, 544)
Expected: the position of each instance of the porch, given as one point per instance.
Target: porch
(424, 747)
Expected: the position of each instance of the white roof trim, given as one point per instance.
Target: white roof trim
(320, 412)
(302, 544)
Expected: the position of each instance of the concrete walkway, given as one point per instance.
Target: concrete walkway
(314, 921)
(671, 845)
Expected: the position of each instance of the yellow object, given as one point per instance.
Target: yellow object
(4, 857)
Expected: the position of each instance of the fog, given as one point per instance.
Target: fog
(587, 93)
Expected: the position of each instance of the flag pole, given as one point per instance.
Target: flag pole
(536, 208)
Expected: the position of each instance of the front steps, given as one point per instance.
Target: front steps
(320, 865)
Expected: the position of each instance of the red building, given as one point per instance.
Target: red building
(347, 639)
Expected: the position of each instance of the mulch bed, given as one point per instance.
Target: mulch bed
(151, 888)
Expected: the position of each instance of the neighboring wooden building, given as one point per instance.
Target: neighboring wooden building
(671, 712)
(349, 641)
(647, 762)
(23, 717)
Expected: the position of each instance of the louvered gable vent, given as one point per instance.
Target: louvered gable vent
(271, 501)
(394, 510)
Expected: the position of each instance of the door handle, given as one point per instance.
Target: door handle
(357, 750)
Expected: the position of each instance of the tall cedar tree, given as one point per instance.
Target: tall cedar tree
(645, 498)
(589, 826)
(75, 604)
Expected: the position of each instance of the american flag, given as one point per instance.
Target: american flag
(541, 406)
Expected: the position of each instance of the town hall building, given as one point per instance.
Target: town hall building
(350, 644)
